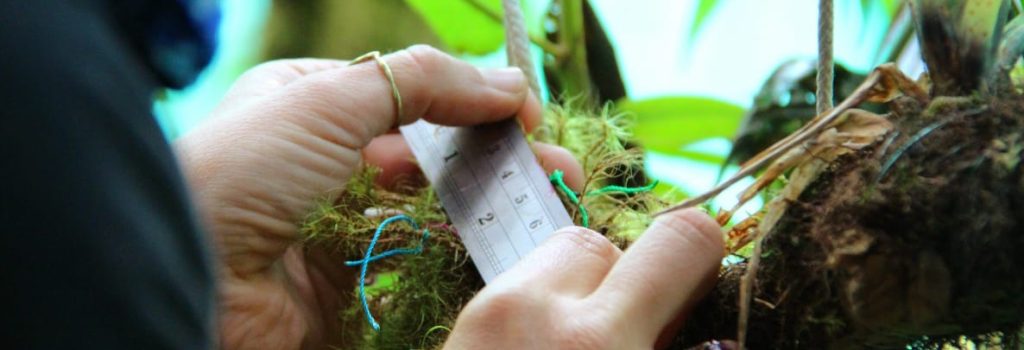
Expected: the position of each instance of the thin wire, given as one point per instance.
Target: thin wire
(375, 55)
(917, 137)
(369, 257)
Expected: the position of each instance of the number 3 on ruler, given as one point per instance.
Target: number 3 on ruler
(485, 219)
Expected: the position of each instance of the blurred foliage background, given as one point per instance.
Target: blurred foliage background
(692, 70)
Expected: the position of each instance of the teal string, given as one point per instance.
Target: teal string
(369, 257)
(623, 189)
(558, 178)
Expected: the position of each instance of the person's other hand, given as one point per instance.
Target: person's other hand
(578, 291)
(290, 132)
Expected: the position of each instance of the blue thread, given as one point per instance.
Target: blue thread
(366, 260)
(393, 252)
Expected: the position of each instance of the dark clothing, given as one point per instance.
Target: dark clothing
(101, 249)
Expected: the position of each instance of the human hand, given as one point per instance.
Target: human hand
(290, 132)
(578, 291)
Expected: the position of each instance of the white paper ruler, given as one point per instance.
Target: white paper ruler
(492, 187)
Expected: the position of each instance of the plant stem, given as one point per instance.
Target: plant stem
(573, 72)
(746, 291)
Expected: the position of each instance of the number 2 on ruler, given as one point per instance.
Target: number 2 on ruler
(485, 219)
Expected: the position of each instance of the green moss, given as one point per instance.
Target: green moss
(600, 140)
(417, 297)
(418, 292)
(431, 291)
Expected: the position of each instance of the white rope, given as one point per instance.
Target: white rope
(517, 42)
(825, 60)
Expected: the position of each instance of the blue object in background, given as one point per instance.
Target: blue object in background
(237, 41)
(178, 38)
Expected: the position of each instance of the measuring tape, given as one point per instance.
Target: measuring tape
(492, 188)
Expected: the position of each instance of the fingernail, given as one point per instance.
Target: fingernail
(508, 79)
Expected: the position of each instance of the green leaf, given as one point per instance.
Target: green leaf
(888, 6)
(709, 158)
(704, 9)
(982, 22)
(535, 14)
(461, 25)
(875, 14)
(666, 124)
(383, 282)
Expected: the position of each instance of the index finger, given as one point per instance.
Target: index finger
(666, 271)
(433, 85)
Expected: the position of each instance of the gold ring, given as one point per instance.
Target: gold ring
(375, 55)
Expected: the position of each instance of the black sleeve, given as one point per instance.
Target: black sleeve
(100, 246)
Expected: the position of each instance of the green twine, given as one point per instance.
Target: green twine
(623, 189)
(558, 178)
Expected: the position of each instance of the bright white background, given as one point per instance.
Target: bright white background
(733, 53)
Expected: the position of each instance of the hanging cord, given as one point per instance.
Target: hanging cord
(369, 257)
(558, 178)
(517, 43)
(825, 61)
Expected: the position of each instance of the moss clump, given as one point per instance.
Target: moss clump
(413, 296)
(417, 297)
(425, 300)
(601, 141)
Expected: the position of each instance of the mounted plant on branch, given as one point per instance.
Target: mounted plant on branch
(893, 225)
(896, 228)
(415, 272)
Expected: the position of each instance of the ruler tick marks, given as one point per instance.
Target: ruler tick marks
(492, 187)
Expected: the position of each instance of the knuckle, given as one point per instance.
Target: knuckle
(268, 66)
(425, 51)
(498, 304)
(278, 70)
(271, 70)
(414, 68)
(422, 59)
(588, 242)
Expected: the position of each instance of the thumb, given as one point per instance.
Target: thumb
(261, 168)
(353, 104)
